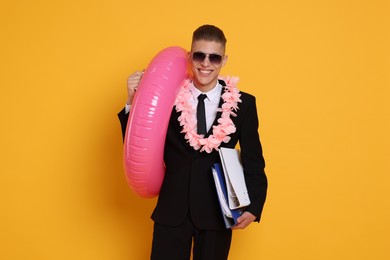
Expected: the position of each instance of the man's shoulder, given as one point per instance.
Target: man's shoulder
(247, 97)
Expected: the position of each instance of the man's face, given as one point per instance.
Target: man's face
(206, 59)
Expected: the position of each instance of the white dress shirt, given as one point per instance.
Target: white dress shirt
(210, 103)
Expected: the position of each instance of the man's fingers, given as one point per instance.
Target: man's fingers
(244, 220)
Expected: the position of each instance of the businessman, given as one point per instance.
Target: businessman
(209, 113)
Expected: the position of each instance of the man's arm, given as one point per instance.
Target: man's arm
(253, 162)
(123, 118)
(132, 84)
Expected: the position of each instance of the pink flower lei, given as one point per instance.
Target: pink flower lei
(221, 132)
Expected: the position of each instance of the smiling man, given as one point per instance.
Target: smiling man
(209, 113)
(207, 58)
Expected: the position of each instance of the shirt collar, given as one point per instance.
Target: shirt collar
(212, 95)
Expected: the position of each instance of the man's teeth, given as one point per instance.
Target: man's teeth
(205, 71)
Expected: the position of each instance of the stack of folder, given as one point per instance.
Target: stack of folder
(230, 185)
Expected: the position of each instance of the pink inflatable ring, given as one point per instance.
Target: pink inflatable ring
(148, 121)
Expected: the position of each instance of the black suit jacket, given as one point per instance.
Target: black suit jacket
(188, 186)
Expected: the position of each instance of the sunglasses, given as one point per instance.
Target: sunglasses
(214, 59)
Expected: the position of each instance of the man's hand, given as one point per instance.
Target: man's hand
(244, 220)
(132, 84)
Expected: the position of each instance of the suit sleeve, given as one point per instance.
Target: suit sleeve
(252, 159)
(123, 118)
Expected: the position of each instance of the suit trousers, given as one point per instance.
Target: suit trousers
(174, 243)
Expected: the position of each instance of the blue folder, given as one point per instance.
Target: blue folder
(235, 213)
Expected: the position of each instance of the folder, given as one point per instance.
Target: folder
(237, 193)
(229, 216)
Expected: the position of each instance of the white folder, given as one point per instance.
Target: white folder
(238, 196)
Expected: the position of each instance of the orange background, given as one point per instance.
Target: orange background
(319, 70)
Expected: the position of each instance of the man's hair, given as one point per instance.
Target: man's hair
(209, 33)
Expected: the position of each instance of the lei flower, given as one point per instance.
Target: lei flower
(225, 126)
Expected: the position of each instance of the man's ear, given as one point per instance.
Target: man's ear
(224, 60)
(189, 64)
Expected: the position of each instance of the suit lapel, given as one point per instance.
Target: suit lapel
(178, 128)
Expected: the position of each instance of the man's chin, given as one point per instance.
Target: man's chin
(205, 79)
(205, 84)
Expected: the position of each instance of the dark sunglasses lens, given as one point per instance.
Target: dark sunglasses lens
(198, 56)
(215, 59)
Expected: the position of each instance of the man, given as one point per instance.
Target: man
(188, 209)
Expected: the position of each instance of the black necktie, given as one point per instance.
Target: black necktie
(201, 115)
